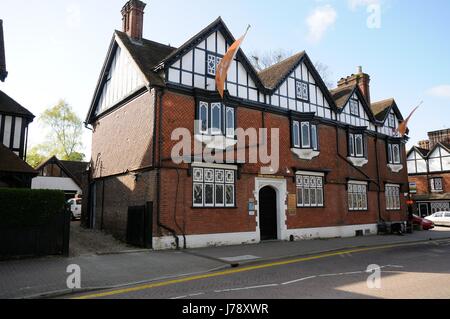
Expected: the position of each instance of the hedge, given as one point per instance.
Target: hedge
(26, 207)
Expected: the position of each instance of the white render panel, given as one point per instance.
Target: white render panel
(221, 43)
(187, 61)
(7, 131)
(57, 183)
(17, 132)
(211, 42)
(123, 78)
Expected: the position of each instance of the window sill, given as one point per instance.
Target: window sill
(305, 154)
(219, 142)
(213, 207)
(395, 168)
(358, 161)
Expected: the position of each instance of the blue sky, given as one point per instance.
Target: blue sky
(55, 49)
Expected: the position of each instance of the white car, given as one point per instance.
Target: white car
(440, 218)
(75, 207)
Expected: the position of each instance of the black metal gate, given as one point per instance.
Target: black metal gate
(140, 225)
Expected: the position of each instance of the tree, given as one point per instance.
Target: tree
(64, 137)
(261, 61)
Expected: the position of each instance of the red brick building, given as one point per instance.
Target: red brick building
(341, 171)
(429, 173)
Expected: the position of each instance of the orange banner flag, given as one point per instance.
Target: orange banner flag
(403, 126)
(224, 65)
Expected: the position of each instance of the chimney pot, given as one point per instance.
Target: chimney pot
(361, 79)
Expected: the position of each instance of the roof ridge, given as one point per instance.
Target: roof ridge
(283, 61)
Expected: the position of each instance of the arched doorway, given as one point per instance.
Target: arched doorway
(268, 213)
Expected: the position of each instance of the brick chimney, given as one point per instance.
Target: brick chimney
(3, 72)
(425, 144)
(133, 18)
(361, 79)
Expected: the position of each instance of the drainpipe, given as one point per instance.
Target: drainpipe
(158, 167)
(379, 181)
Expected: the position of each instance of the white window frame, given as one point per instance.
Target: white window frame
(216, 130)
(298, 135)
(352, 138)
(230, 130)
(391, 120)
(310, 183)
(433, 185)
(392, 195)
(300, 94)
(352, 104)
(205, 106)
(357, 194)
(220, 175)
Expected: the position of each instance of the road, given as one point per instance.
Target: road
(407, 271)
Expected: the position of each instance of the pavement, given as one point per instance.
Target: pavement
(46, 277)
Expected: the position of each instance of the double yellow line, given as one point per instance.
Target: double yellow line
(238, 270)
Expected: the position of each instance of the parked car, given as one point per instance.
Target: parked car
(75, 207)
(440, 218)
(424, 223)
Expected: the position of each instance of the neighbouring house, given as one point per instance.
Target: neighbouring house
(429, 173)
(14, 121)
(342, 168)
(60, 175)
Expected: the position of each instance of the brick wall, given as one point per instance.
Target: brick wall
(122, 141)
(116, 193)
(177, 210)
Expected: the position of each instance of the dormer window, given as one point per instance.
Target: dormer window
(212, 61)
(302, 90)
(354, 107)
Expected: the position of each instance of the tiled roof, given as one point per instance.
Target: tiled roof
(381, 109)
(272, 76)
(76, 169)
(9, 106)
(11, 163)
(147, 54)
(3, 72)
(73, 169)
(423, 151)
(341, 95)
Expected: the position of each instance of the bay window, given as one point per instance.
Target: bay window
(216, 119)
(394, 153)
(304, 135)
(356, 145)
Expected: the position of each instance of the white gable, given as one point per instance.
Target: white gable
(355, 114)
(122, 79)
(389, 128)
(416, 163)
(286, 96)
(192, 70)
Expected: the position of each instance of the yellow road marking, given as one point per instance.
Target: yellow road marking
(235, 271)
